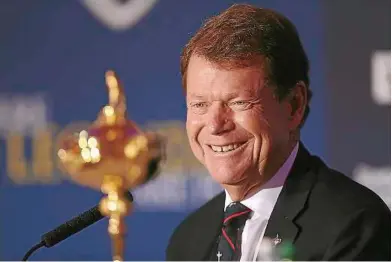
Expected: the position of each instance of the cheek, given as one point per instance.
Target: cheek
(194, 126)
(274, 131)
(254, 123)
(260, 128)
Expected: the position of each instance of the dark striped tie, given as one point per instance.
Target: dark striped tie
(229, 246)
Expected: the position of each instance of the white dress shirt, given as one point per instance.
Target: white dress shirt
(262, 204)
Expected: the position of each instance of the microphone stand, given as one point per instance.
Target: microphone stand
(32, 250)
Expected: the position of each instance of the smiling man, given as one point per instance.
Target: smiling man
(245, 73)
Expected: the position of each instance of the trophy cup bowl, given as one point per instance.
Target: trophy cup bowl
(112, 155)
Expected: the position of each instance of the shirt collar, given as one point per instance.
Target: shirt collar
(264, 201)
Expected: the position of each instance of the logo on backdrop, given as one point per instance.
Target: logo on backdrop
(119, 15)
(381, 77)
(378, 178)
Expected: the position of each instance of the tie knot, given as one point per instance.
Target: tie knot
(236, 212)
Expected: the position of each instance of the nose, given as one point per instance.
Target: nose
(219, 119)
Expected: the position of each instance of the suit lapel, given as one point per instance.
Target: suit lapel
(206, 231)
(292, 199)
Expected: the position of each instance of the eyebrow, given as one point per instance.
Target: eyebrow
(194, 95)
(229, 95)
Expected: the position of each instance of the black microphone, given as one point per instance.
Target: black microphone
(70, 228)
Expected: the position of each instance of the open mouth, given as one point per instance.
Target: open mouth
(225, 148)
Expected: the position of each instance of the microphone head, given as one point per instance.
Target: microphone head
(71, 227)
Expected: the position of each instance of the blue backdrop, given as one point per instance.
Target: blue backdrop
(53, 56)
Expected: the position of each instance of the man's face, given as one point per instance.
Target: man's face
(235, 125)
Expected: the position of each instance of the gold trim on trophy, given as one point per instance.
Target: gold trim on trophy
(112, 155)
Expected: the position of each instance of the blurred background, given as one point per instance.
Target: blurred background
(53, 57)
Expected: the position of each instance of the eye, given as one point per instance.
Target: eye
(240, 105)
(199, 104)
(198, 107)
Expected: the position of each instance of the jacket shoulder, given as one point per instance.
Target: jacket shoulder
(200, 214)
(343, 192)
(192, 223)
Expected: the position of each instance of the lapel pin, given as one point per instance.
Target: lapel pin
(218, 255)
(277, 240)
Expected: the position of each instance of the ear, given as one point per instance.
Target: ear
(297, 101)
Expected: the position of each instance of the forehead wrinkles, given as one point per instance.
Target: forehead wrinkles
(213, 82)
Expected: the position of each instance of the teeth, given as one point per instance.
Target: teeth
(224, 148)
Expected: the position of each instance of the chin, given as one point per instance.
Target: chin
(226, 178)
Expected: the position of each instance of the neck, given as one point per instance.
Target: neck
(253, 184)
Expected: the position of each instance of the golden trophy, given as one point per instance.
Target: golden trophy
(112, 155)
